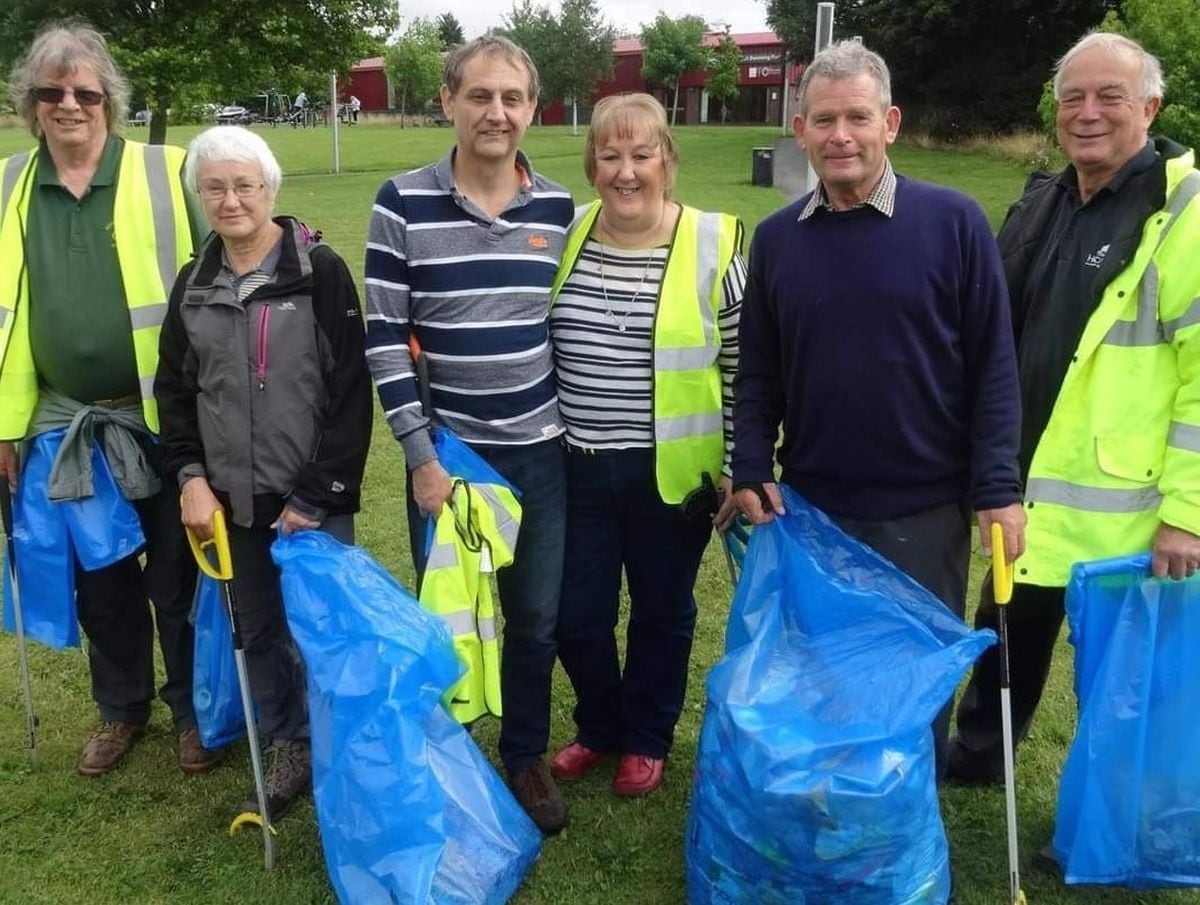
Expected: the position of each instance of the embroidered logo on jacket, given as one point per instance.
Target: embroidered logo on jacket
(1096, 258)
(538, 242)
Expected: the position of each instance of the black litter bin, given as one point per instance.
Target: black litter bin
(762, 171)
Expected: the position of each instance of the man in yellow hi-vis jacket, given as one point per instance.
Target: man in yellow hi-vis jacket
(93, 229)
(1103, 266)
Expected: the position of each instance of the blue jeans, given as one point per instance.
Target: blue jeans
(528, 593)
(615, 520)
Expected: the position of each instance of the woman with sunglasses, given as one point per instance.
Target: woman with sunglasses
(265, 403)
(95, 227)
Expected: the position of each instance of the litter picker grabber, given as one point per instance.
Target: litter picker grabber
(222, 571)
(31, 720)
(1002, 584)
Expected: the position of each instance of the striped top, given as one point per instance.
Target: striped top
(476, 292)
(602, 326)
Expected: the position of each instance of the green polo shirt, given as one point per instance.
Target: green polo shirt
(79, 327)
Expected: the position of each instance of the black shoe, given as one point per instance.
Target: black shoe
(966, 769)
(536, 792)
(289, 775)
(1046, 859)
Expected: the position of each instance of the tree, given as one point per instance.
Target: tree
(671, 48)
(957, 65)
(234, 46)
(414, 64)
(572, 51)
(583, 53)
(725, 73)
(1170, 30)
(533, 28)
(450, 31)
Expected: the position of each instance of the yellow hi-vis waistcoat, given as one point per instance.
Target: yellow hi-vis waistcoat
(1121, 451)
(475, 534)
(153, 241)
(689, 435)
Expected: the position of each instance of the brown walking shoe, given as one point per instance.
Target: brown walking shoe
(536, 792)
(194, 757)
(288, 776)
(106, 746)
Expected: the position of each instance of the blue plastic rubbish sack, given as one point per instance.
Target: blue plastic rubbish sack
(460, 461)
(45, 564)
(97, 531)
(815, 771)
(1129, 795)
(216, 695)
(409, 809)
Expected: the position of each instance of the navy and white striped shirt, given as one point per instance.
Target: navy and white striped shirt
(602, 326)
(476, 291)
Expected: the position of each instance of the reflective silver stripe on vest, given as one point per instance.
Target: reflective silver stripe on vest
(3, 317)
(8, 181)
(708, 234)
(1091, 499)
(1189, 318)
(147, 315)
(508, 526)
(164, 214)
(1184, 436)
(462, 622)
(1146, 330)
(685, 426)
(146, 386)
(442, 556)
(684, 359)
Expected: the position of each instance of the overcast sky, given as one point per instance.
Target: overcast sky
(477, 16)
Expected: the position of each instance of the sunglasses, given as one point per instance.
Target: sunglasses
(85, 97)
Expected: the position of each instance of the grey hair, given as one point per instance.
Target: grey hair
(232, 144)
(846, 60)
(1151, 80)
(61, 48)
(492, 46)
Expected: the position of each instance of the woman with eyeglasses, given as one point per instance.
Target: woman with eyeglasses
(265, 403)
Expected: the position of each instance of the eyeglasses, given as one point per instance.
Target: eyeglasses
(216, 191)
(86, 97)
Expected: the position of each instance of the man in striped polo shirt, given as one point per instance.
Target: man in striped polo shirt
(462, 253)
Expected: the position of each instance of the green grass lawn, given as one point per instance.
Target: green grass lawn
(147, 834)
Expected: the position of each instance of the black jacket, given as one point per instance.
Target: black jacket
(269, 397)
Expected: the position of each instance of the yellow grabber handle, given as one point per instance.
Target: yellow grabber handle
(223, 570)
(249, 818)
(1002, 569)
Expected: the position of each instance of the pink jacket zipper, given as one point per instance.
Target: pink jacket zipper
(264, 319)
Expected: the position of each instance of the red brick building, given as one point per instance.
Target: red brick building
(760, 84)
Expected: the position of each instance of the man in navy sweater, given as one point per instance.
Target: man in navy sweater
(876, 329)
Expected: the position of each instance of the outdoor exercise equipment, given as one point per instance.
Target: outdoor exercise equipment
(222, 571)
(1002, 585)
(31, 721)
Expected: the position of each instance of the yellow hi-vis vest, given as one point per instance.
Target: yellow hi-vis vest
(475, 534)
(153, 241)
(1121, 451)
(689, 434)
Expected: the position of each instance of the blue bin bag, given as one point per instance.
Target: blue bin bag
(815, 772)
(45, 567)
(409, 809)
(1129, 795)
(460, 461)
(97, 531)
(216, 695)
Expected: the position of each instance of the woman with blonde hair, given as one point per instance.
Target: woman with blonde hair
(644, 326)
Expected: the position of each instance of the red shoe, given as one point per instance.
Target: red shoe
(573, 761)
(638, 775)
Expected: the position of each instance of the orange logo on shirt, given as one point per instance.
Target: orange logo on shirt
(539, 243)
